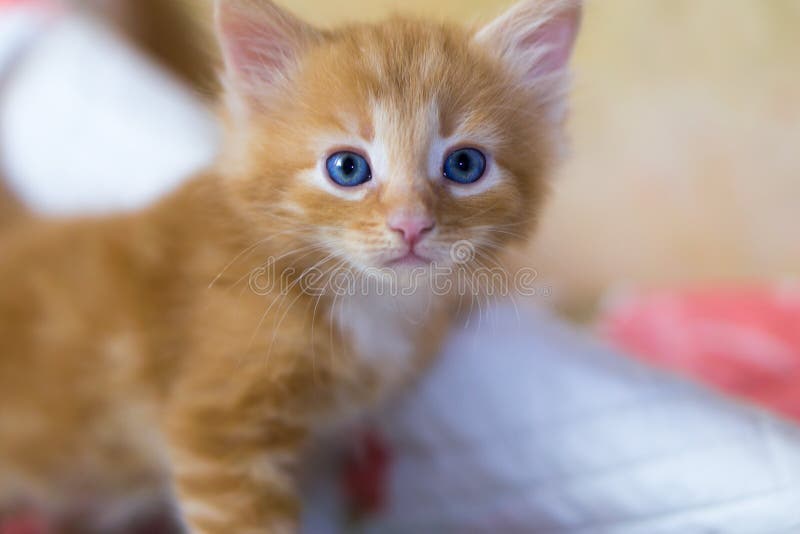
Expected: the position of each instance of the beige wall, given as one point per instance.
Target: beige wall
(333, 12)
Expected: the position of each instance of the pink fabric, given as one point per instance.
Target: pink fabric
(745, 342)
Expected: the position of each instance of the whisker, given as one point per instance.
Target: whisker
(278, 299)
(310, 249)
(314, 315)
(277, 327)
(239, 255)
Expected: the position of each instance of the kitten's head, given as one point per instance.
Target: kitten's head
(384, 145)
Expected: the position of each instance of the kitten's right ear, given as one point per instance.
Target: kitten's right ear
(259, 41)
(535, 38)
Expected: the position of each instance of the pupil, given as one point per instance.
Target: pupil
(348, 165)
(463, 162)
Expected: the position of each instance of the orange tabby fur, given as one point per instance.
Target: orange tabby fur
(140, 354)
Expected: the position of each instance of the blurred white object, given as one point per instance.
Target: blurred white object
(525, 426)
(88, 125)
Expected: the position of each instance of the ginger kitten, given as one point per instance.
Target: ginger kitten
(193, 348)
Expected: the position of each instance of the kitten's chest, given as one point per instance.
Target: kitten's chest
(391, 335)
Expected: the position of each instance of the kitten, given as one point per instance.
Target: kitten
(198, 344)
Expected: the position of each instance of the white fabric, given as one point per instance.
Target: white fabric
(527, 426)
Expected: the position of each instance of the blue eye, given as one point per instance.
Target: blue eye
(465, 166)
(348, 169)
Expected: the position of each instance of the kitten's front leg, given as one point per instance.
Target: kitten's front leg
(234, 475)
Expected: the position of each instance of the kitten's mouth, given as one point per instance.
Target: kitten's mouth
(410, 259)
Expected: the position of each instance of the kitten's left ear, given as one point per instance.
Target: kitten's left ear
(260, 42)
(536, 38)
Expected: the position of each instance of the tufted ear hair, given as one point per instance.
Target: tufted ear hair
(536, 38)
(260, 42)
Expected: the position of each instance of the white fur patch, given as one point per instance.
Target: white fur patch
(382, 328)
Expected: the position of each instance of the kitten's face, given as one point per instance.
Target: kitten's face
(391, 144)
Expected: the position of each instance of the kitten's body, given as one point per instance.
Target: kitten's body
(149, 349)
(86, 378)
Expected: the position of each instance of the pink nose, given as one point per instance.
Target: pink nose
(412, 227)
